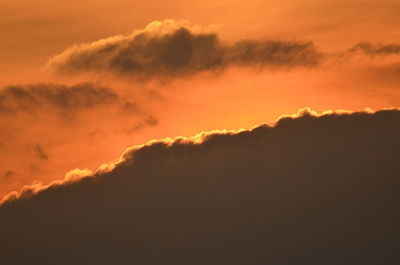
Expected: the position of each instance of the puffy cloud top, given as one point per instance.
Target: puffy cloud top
(309, 190)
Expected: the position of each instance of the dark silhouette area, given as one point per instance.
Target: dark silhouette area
(309, 190)
(147, 55)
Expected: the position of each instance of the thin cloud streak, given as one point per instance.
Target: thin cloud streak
(376, 49)
(32, 97)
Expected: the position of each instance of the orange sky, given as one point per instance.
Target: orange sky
(43, 145)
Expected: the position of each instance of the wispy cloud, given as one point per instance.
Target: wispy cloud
(32, 97)
(376, 49)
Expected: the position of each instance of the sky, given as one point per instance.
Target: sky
(84, 83)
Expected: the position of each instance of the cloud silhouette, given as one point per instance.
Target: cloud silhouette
(171, 49)
(8, 174)
(309, 190)
(40, 153)
(375, 49)
(67, 100)
(28, 98)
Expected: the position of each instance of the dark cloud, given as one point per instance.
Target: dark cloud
(310, 190)
(275, 54)
(66, 98)
(8, 174)
(40, 153)
(375, 49)
(157, 52)
(130, 107)
(146, 122)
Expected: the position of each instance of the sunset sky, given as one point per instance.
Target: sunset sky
(84, 82)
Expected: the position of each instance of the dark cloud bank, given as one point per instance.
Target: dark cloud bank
(178, 52)
(310, 190)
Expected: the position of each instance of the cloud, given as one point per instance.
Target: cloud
(375, 49)
(8, 174)
(40, 153)
(308, 190)
(53, 127)
(170, 49)
(68, 99)
(146, 122)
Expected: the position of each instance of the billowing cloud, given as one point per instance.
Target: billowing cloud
(169, 48)
(375, 49)
(309, 190)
